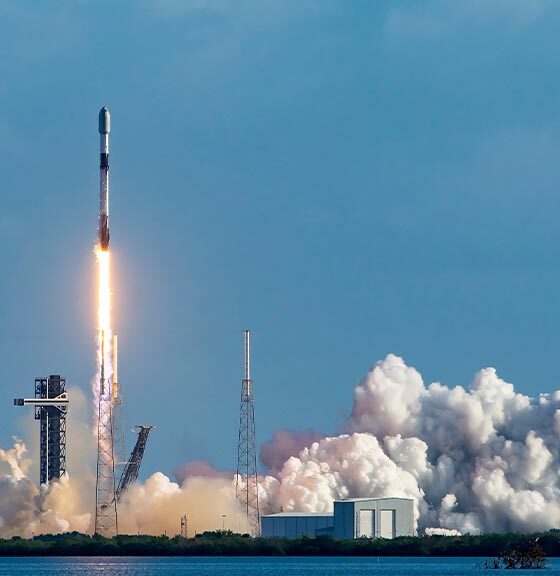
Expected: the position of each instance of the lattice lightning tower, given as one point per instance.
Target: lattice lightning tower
(246, 489)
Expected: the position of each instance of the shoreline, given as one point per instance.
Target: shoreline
(227, 544)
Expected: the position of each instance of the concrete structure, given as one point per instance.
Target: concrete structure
(293, 525)
(352, 518)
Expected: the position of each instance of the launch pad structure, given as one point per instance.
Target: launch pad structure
(51, 406)
(246, 486)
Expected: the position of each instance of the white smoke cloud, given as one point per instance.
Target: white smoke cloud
(26, 509)
(335, 468)
(441, 532)
(153, 507)
(156, 506)
(480, 458)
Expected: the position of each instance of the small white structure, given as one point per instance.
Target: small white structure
(352, 518)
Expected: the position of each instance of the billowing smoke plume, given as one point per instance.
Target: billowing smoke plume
(26, 509)
(155, 507)
(481, 458)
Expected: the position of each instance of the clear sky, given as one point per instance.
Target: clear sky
(345, 178)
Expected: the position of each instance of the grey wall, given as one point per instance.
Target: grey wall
(294, 526)
(344, 521)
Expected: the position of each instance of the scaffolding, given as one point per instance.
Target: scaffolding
(51, 406)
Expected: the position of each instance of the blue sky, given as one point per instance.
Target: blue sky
(347, 179)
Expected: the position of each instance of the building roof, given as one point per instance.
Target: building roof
(374, 499)
(284, 514)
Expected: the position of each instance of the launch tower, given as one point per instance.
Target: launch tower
(246, 487)
(51, 406)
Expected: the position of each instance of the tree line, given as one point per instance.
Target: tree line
(227, 543)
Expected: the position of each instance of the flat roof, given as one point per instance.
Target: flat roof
(283, 514)
(374, 499)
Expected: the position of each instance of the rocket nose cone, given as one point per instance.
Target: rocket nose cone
(104, 121)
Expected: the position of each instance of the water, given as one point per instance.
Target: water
(253, 566)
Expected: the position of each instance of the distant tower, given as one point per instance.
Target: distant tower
(184, 526)
(246, 487)
(51, 406)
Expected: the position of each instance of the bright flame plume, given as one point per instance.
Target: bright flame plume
(103, 381)
(105, 501)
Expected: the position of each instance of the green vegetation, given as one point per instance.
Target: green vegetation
(226, 543)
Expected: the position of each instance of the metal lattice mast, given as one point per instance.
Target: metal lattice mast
(246, 488)
(132, 468)
(105, 499)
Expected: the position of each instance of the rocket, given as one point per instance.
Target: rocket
(104, 130)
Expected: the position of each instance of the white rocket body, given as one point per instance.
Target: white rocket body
(104, 131)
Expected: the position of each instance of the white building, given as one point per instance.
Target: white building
(352, 518)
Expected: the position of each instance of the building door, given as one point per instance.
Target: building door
(387, 524)
(365, 524)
